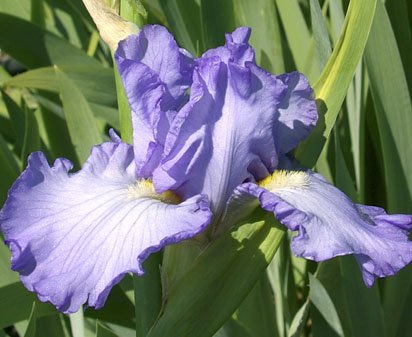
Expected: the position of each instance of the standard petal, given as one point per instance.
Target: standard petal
(156, 48)
(232, 129)
(329, 224)
(156, 75)
(297, 112)
(224, 134)
(236, 48)
(73, 236)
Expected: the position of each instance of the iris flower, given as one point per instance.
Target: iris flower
(209, 137)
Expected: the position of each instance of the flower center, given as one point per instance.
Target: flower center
(282, 179)
(144, 189)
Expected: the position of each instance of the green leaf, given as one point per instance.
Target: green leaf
(393, 110)
(261, 16)
(45, 48)
(7, 275)
(95, 82)
(392, 103)
(185, 21)
(118, 309)
(31, 140)
(51, 326)
(217, 19)
(19, 8)
(216, 292)
(133, 10)
(233, 328)
(9, 168)
(298, 37)
(299, 321)
(148, 295)
(320, 33)
(363, 305)
(53, 128)
(17, 118)
(280, 273)
(80, 121)
(402, 28)
(37, 13)
(31, 327)
(331, 87)
(257, 313)
(102, 331)
(125, 116)
(16, 304)
(321, 300)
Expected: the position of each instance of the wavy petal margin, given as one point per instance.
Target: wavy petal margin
(74, 236)
(233, 127)
(156, 74)
(329, 224)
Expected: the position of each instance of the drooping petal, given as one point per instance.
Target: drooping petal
(232, 128)
(329, 224)
(156, 74)
(73, 236)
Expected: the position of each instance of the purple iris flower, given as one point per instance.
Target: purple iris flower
(209, 135)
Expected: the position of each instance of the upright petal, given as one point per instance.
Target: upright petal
(223, 135)
(329, 224)
(297, 112)
(233, 127)
(156, 74)
(73, 236)
(236, 48)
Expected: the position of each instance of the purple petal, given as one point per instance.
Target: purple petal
(156, 74)
(156, 48)
(232, 128)
(236, 48)
(329, 224)
(223, 135)
(298, 113)
(73, 236)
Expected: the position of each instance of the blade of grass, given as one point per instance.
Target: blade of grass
(321, 300)
(80, 120)
(332, 85)
(394, 119)
(262, 17)
(45, 48)
(186, 23)
(320, 33)
(216, 292)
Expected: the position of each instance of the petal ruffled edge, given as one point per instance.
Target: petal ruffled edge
(329, 224)
(46, 204)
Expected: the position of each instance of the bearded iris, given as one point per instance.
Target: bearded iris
(209, 137)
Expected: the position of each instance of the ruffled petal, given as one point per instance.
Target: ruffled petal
(223, 135)
(156, 74)
(232, 128)
(156, 48)
(236, 48)
(73, 236)
(297, 112)
(329, 224)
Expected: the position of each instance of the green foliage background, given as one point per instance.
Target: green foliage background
(357, 56)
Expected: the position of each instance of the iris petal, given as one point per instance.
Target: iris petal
(329, 224)
(73, 236)
(229, 131)
(156, 74)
